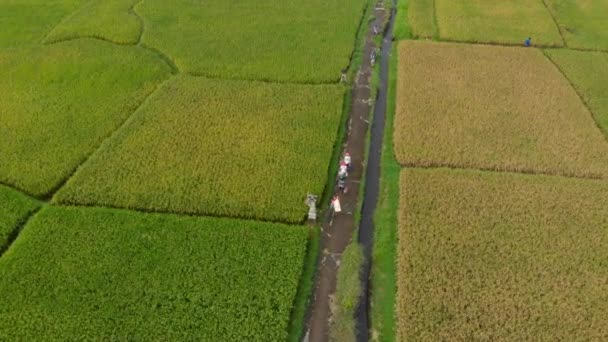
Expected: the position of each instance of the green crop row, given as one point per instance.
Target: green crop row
(14, 208)
(222, 148)
(496, 256)
(102, 274)
(59, 102)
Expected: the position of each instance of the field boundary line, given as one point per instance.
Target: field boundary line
(433, 166)
(559, 29)
(435, 21)
(67, 17)
(14, 234)
(140, 19)
(19, 190)
(60, 204)
(580, 96)
(51, 193)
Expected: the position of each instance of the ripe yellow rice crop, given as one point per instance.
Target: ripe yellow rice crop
(490, 107)
(502, 257)
(223, 148)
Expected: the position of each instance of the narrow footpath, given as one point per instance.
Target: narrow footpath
(337, 229)
(372, 183)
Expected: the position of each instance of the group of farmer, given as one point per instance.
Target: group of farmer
(345, 165)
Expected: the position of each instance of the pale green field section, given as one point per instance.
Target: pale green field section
(504, 22)
(222, 148)
(584, 23)
(14, 209)
(492, 108)
(421, 18)
(290, 40)
(27, 22)
(113, 275)
(488, 256)
(59, 102)
(112, 20)
(588, 73)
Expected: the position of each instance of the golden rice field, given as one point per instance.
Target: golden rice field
(504, 22)
(496, 256)
(195, 148)
(495, 108)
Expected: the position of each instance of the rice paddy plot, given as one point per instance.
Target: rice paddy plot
(505, 22)
(421, 18)
(291, 41)
(111, 20)
(584, 24)
(588, 73)
(492, 107)
(14, 209)
(222, 148)
(59, 102)
(496, 256)
(101, 274)
(27, 22)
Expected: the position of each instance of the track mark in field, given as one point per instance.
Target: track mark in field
(16, 230)
(559, 28)
(49, 196)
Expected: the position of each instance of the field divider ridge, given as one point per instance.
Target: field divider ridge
(559, 29)
(50, 195)
(17, 230)
(580, 96)
(140, 19)
(432, 166)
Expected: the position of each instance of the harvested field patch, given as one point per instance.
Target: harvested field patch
(291, 41)
(496, 256)
(505, 22)
(14, 208)
(59, 102)
(588, 73)
(100, 274)
(491, 107)
(196, 148)
(27, 22)
(421, 18)
(104, 19)
(583, 23)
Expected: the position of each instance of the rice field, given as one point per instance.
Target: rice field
(111, 20)
(288, 41)
(27, 22)
(421, 17)
(504, 22)
(59, 102)
(588, 73)
(100, 274)
(584, 24)
(195, 148)
(510, 110)
(497, 256)
(14, 208)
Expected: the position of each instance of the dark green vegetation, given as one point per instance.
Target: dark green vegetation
(194, 148)
(14, 210)
(402, 28)
(59, 102)
(110, 20)
(588, 73)
(348, 292)
(100, 274)
(583, 23)
(289, 41)
(496, 256)
(26, 22)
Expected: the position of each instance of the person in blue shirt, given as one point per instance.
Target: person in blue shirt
(528, 42)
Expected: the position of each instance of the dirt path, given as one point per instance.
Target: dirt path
(372, 183)
(337, 229)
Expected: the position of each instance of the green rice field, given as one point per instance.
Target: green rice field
(584, 24)
(14, 209)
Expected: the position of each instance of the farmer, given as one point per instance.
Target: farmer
(343, 169)
(347, 160)
(343, 76)
(528, 42)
